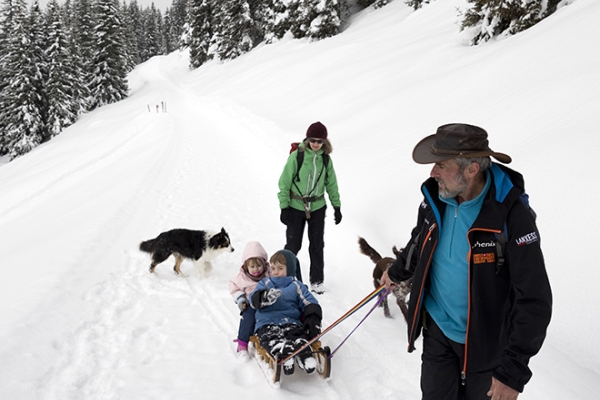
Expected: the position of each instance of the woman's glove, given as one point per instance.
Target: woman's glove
(286, 216)
(337, 215)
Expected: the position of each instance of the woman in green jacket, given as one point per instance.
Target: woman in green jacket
(307, 175)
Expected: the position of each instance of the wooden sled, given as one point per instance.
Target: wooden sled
(274, 374)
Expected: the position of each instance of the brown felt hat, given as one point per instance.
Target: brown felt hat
(454, 141)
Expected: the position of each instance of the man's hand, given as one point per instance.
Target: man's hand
(500, 391)
(385, 280)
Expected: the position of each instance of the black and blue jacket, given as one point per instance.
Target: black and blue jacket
(510, 302)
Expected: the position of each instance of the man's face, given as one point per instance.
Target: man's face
(451, 181)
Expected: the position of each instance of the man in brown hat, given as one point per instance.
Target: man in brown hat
(480, 293)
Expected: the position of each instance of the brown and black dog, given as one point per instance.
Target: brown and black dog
(400, 290)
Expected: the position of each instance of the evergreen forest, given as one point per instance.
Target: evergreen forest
(70, 57)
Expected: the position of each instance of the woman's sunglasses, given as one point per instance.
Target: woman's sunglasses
(313, 140)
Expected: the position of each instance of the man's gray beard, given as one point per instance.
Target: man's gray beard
(450, 194)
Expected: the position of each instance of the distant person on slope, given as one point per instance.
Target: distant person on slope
(301, 198)
(480, 291)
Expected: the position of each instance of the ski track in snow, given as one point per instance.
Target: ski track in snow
(141, 320)
(82, 318)
(134, 328)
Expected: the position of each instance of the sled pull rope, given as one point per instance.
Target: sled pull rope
(359, 305)
(377, 303)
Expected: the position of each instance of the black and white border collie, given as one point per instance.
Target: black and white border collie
(199, 246)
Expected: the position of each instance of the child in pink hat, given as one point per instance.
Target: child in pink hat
(255, 266)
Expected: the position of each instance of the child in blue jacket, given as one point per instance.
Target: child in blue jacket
(287, 314)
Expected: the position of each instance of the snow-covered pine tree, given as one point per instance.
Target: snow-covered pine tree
(5, 26)
(267, 15)
(168, 33)
(136, 27)
(327, 21)
(380, 3)
(316, 19)
(175, 20)
(37, 33)
(82, 38)
(133, 57)
(493, 18)
(64, 79)
(415, 4)
(162, 34)
(109, 83)
(79, 87)
(300, 15)
(151, 20)
(200, 26)
(259, 14)
(232, 34)
(21, 120)
(284, 19)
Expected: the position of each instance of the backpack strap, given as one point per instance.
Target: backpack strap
(300, 160)
(306, 200)
(502, 237)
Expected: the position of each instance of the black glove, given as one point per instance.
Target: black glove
(312, 319)
(286, 216)
(269, 297)
(312, 326)
(337, 215)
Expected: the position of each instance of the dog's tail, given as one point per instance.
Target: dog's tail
(148, 245)
(368, 251)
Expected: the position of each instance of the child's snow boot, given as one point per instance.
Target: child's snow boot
(288, 367)
(306, 362)
(241, 345)
(286, 349)
(310, 365)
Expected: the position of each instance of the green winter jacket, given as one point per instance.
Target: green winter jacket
(311, 168)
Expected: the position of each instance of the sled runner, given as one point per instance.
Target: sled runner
(272, 367)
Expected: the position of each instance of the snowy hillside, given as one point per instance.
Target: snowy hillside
(81, 317)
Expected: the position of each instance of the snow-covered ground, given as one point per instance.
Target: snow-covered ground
(81, 317)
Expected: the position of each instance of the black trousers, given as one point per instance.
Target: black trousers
(316, 231)
(442, 363)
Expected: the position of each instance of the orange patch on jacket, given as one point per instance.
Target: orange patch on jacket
(484, 258)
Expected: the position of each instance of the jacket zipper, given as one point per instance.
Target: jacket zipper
(425, 273)
(463, 373)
